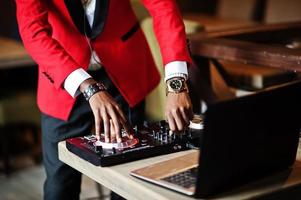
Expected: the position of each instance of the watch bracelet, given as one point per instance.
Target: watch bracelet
(93, 89)
(183, 90)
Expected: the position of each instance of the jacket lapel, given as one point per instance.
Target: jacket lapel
(78, 16)
(100, 17)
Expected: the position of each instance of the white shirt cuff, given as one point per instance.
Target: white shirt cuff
(74, 80)
(176, 69)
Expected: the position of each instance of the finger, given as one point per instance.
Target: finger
(124, 122)
(112, 131)
(178, 119)
(116, 136)
(185, 115)
(123, 119)
(171, 123)
(118, 109)
(106, 125)
(98, 124)
(115, 121)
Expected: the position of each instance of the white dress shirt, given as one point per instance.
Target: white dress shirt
(74, 79)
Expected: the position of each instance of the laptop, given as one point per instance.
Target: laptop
(243, 140)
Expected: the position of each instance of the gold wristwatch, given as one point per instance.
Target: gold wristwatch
(176, 85)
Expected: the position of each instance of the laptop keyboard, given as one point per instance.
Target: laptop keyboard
(184, 179)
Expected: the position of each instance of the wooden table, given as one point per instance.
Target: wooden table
(117, 179)
(217, 24)
(13, 54)
(257, 45)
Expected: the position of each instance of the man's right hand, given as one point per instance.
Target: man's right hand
(107, 114)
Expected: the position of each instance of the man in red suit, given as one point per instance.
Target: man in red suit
(94, 66)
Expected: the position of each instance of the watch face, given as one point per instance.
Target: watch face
(175, 84)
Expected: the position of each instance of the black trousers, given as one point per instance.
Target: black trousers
(63, 182)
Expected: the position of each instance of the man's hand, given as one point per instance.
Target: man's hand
(178, 110)
(107, 114)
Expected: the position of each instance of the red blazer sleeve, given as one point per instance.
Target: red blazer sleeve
(36, 35)
(169, 29)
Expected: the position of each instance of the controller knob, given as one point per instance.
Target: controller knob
(143, 142)
(153, 133)
(161, 137)
(98, 149)
(157, 135)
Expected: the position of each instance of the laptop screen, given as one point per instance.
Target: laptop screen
(249, 137)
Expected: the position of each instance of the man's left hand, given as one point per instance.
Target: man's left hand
(178, 110)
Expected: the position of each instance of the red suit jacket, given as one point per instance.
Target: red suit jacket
(52, 32)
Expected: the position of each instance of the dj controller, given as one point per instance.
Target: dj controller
(150, 139)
